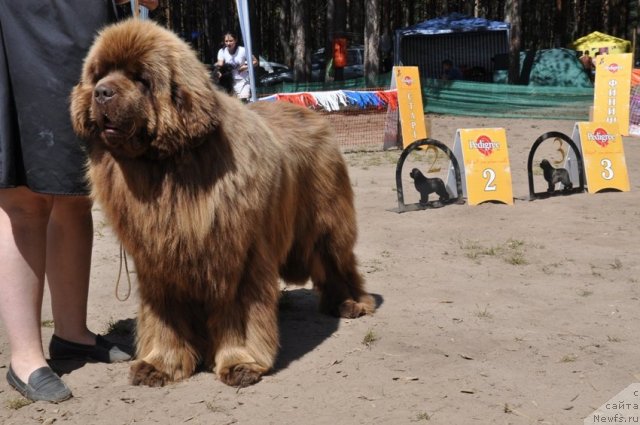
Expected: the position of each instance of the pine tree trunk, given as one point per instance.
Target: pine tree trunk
(372, 42)
(299, 24)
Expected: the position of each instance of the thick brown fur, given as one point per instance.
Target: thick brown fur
(215, 201)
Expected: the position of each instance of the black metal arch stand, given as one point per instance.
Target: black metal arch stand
(402, 207)
(547, 136)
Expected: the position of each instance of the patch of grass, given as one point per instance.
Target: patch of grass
(484, 313)
(515, 252)
(213, 408)
(514, 244)
(594, 271)
(584, 292)
(47, 323)
(423, 416)
(616, 265)
(512, 251)
(17, 403)
(369, 338)
(613, 338)
(549, 268)
(474, 250)
(568, 358)
(516, 259)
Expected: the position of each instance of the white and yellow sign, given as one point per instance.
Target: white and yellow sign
(485, 171)
(613, 90)
(603, 157)
(407, 81)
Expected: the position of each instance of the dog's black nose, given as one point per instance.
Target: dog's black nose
(103, 93)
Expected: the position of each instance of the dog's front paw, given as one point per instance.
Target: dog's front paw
(351, 309)
(241, 375)
(143, 373)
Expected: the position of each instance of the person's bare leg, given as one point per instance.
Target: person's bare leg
(69, 244)
(23, 224)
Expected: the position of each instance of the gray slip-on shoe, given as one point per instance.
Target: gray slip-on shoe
(43, 385)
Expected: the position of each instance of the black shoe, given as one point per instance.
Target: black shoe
(43, 384)
(104, 351)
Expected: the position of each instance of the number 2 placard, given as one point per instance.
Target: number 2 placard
(603, 154)
(486, 175)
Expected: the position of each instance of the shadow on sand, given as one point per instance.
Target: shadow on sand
(302, 329)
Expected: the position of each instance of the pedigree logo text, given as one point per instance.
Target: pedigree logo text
(484, 145)
(614, 67)
(601, 137)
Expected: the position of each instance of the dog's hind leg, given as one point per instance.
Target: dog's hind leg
(246, 331)
(442, 192)
(335, 275)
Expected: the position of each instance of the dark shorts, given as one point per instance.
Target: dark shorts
(42, 46)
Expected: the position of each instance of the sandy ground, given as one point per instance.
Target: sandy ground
(489, 314)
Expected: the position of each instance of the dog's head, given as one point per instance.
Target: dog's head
(223, 77)
(143, 91)
(414, 173)
(545, 165)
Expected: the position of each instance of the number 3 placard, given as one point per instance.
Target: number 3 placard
(486, 175)
(603, 154)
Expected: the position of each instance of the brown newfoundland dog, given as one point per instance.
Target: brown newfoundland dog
(215, 201)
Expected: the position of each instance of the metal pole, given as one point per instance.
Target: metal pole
(245, 28)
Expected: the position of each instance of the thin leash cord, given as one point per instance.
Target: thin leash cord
(123, 259)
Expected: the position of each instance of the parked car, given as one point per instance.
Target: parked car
(354, 68)
(271, 73)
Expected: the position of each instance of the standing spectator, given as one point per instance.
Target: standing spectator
(587, 63)
(236, 56)
(123, 7)
(46, 227)
(386, 51)
(450, 72)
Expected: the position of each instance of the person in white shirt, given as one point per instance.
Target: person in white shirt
(236, 56)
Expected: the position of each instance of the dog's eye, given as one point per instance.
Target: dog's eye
(142, 79)
(97, 71)
(143, 84)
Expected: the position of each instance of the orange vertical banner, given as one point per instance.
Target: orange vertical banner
(407, 81)
(613, 90)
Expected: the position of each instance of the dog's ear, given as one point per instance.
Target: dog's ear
(188, 112)
(80, 109)
(196, 104)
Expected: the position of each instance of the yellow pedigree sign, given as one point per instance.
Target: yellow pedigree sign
(486, 173)
(613, 90)
(603, 156)
(407, 81)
